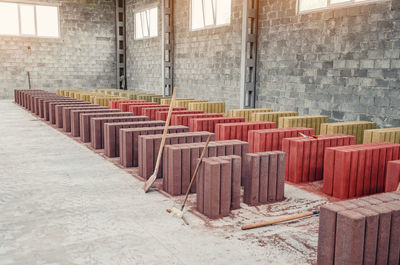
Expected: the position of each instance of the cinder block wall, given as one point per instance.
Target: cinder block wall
(207, 62)
(343, 62)
(83, 57)
(143, 57)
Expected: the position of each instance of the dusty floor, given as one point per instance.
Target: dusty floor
(61, 203)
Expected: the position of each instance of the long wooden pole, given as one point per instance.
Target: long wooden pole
(280, 220)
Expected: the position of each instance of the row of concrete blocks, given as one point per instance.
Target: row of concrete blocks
(355, 128)
(180, 160)
(115, 104)
(356, 170)
(391, 135)
(239, 130)
(209, 124)
(272, 139)
(264, 177)
(392, 181)
(129, 142)
(149, 146)
(218, 185)
(360, 231)
(306, 155)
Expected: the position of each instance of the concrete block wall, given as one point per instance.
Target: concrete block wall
(143, 56)
(82, 58)
(343, 63)
(207, 62)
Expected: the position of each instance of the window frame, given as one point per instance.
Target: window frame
(337, 5)
(34, 4)
(158, 22)
(214, 17)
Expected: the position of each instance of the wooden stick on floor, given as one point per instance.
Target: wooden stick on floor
(280, 220)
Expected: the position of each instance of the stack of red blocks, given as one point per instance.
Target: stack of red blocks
(86, 118)
(357, 170)
(149, 146)
(240, 130)
(52, 108)
(360, 231)
(272, 139)
(184, 119)
(218, 186)
(111, 134)
(60, 110)
(162, 115)
(97, 127)
(76, 118)
(306, 155)
(129, 142)
(68, 111)
(151, 112)
(137, 109)
(392, 181)
(264, 179)
(125, 106)
(180, 160)
(208, 124)
(116, 104)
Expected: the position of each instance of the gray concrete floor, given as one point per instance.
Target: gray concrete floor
(60, 203)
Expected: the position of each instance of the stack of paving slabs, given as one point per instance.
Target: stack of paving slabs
(167, 101)
(53, 105)
(98, 124)
(392, 180)
(246, 113)
(209, 124)
(115, 104)
(357, 170)
(60, 108)
(67, 114)
(239, 130)
(355, 128)
(76, 118)
(137, 108)
(112, 134)
(105, 100)
(129, 142)
(125, 106)
(149, 146)
(85, 122)
(148, 97)
(218, 186)
(185, 103)
(65, 92)
(184, 119)
(360, 231)
(151, 112)
(305, 156)
(388, 135)
(272, 139)
(162, 115)
(157, 99)
(180, 161)
(264, 179)
(272, 116)
(303, 121)
(42, 106)
(208, 107)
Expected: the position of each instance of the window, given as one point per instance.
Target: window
(146, 23)
(210, 13)
(28, 20)
(310, 5)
